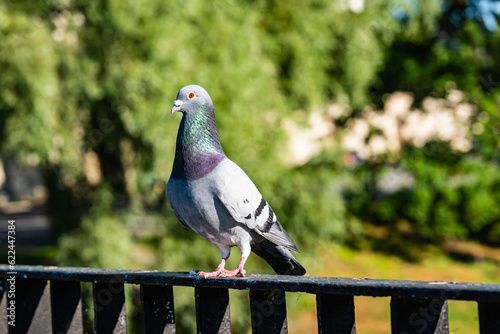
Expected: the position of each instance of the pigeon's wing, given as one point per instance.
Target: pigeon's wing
(239, 196)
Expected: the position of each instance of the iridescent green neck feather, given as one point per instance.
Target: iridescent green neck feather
(198, 148)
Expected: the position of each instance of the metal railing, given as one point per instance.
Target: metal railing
(416, 307)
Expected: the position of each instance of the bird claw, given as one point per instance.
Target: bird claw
(223, 273)
(209, 274)
(233, 273)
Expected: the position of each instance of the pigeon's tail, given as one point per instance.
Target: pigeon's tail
(278, 257)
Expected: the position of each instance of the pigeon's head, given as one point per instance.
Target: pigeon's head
(192, 98)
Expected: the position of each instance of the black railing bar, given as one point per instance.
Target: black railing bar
(482, 292)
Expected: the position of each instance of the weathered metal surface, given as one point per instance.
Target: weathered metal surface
(212, 311)
(32, 307)
(66, 307)
(335, 314)
(268, 312)
(323, 285)
(489, 318)
(109, 308)
(157, 309)
(419, 316)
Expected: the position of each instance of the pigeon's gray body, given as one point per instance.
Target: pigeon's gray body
(214, 197)
(198, 205)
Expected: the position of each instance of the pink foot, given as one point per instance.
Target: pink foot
(221, 272)
(216, 272)
(232, 273)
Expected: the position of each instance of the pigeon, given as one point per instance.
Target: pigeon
(212, 196)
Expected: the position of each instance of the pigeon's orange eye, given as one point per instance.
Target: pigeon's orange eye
(191, 95)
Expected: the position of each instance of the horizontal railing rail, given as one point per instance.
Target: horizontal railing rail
(40, 299)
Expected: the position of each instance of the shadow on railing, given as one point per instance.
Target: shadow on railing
(416, 307)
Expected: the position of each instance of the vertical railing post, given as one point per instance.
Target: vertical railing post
(268, 311)
(489, 318)
(157, 309)
(109, 308)
(335, 314)
(422, 316)
(212, 310)
(66, 305)
(32, 307)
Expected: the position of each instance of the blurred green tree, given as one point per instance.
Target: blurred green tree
(87, 95)
(459, 50)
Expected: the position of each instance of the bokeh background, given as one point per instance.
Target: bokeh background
(372, 128)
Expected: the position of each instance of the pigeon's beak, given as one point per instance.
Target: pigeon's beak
(177, 106)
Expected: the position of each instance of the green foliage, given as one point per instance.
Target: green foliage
(95, 79)
(311, 201)
(101, 241)
(454, 193)
(452, 196)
